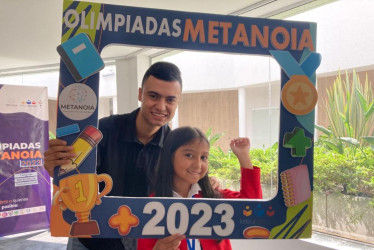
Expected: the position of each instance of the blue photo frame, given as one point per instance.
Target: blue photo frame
(287, 215)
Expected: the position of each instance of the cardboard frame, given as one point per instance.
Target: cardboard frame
(287, 215)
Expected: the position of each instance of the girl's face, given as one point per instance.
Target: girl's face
(190, 164)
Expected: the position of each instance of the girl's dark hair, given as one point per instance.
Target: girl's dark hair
(164, 171)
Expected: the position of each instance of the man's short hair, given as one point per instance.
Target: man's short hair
(164, 71)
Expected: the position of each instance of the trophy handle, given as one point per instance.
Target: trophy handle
(108, 186)
(57, 200)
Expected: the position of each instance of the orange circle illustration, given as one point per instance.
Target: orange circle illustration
(299, 96)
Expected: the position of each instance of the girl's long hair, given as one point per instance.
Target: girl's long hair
(164, 172)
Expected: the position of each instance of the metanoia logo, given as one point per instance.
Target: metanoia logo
(77, 101)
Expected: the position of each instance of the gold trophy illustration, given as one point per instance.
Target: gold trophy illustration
(79, 193)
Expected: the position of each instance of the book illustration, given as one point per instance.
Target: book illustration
(295, 185)
(80, 56)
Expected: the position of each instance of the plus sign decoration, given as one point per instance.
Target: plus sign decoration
(297, 142)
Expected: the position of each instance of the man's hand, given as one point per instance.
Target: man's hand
(171, 242)
(57, 154)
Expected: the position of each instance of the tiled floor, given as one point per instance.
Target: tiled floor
(39, 240)
(42, 240)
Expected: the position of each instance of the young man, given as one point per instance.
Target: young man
(131, 144)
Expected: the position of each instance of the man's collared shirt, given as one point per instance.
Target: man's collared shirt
(129, 162)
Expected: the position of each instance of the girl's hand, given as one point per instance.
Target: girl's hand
(216, 185)
(171, 242)
(240, 147)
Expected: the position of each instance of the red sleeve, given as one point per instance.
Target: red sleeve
(145, 244)
(148, 244)
(250, 185)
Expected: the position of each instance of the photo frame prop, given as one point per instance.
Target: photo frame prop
(79, 210)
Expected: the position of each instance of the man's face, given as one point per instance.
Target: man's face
(159, 101)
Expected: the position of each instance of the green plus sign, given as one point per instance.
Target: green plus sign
(297, 142)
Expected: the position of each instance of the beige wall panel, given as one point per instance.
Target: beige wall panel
(217, 110)
(52, 113)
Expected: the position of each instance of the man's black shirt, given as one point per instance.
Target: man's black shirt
(129, 162)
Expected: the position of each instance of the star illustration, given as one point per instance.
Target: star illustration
(299, 96)
(124, 220)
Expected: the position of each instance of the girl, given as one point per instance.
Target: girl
(183, 172)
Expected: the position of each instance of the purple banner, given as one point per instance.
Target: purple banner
(25, 191)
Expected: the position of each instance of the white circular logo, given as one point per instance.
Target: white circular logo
(77, 101)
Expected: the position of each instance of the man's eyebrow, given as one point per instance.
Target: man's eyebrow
(153, 92)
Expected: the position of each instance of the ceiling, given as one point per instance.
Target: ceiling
(31, 30)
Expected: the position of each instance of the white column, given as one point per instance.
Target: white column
(129, 75)
(242, 112)
(175, 120)
(115, 105)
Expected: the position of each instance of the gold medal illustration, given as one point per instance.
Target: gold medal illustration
(299, 95)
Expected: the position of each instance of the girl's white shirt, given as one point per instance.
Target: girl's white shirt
(195, 188)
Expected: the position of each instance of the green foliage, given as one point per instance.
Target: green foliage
(350, 109)
(225, 166)
(344, 155)
(346, 173)
(213, 138)
(267, 160)
(51, 135)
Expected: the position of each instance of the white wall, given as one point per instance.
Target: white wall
(202, 71)
(345, 34)
(50, 79)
